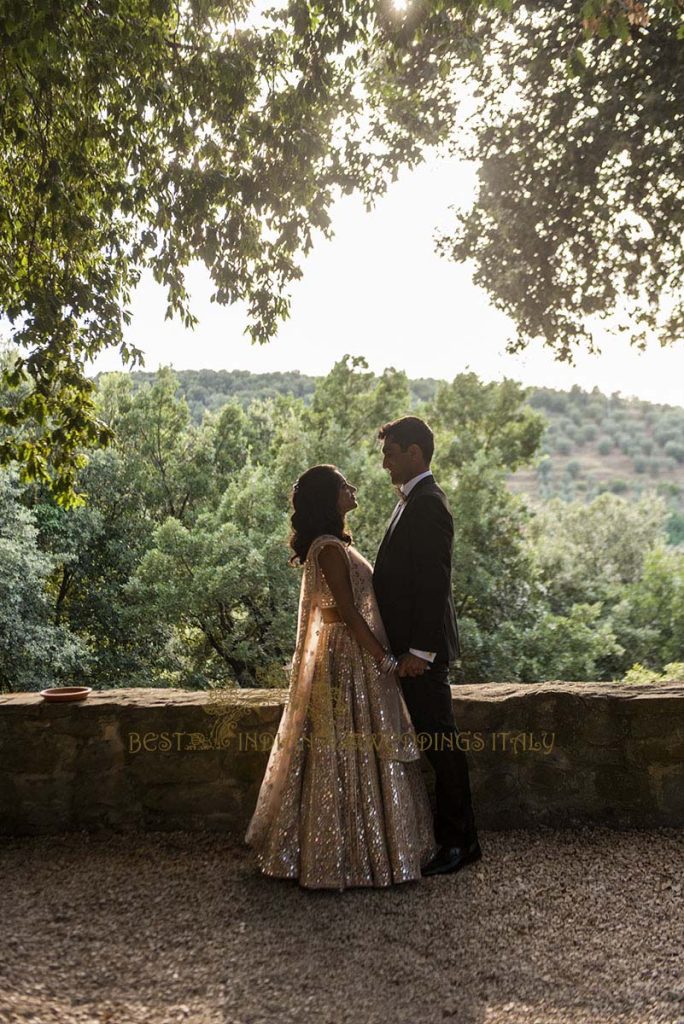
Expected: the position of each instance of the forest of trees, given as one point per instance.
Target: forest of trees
(592, 442)
(174, 572)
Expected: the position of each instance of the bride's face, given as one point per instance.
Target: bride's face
(346, 498)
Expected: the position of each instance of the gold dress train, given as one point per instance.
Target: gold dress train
(343, 801)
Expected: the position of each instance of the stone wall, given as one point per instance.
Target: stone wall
(558, 754)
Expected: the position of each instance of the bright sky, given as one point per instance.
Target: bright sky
(378, 289)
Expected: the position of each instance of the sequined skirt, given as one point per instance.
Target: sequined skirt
(348, 817)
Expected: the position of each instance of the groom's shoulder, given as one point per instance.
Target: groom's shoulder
(431, 498)
(430, 490)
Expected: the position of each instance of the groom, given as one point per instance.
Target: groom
(412, 581)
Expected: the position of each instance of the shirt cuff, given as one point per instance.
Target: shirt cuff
(427, 655)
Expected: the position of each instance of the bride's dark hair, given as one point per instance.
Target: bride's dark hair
(314, 500)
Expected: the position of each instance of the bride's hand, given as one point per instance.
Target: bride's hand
(388, 663)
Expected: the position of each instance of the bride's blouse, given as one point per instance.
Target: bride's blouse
(361, 576)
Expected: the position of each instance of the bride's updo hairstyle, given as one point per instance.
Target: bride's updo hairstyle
(314, 500)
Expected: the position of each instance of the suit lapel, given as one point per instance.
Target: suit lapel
(389, 537)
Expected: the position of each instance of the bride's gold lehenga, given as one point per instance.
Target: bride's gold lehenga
(343, 801)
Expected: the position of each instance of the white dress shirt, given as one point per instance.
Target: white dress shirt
(396, 516)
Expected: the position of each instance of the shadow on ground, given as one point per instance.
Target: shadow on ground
(550, 927)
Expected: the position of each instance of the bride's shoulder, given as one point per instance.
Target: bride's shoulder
(324, 540)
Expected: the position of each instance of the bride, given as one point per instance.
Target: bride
(343, 802)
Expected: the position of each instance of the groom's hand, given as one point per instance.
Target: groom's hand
(412, 665)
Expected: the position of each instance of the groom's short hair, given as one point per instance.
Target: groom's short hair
(410, 430)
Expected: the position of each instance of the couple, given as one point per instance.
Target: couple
(343, 802)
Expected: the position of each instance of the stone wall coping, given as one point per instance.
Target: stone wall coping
(271, 697)
(554, 753)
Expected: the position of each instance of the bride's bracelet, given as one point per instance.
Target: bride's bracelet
(388, 664)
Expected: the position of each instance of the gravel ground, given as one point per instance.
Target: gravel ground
(550, 927)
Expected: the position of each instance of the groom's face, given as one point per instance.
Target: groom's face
(401, 465)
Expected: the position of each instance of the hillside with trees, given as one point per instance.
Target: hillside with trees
(592, 443)
(595, 443)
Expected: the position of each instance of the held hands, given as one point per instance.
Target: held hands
(407, 665)
(412, 665)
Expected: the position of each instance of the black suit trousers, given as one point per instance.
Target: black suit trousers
(428, 699)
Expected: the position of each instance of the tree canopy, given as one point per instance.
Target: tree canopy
(579, 212)
(146, 133)
(143, 134)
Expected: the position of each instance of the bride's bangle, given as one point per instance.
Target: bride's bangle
(388, 663)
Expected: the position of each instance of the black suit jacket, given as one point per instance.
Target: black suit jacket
(412, 576)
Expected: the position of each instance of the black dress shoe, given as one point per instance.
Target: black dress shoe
(451, 858)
